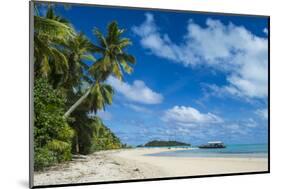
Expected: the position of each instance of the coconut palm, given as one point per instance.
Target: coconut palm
(77, 50)
(50, 32)
(114, 60)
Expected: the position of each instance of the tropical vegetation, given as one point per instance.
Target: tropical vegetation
(70, 74)
(160, 143)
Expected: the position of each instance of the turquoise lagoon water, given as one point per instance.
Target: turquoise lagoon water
(232, 150)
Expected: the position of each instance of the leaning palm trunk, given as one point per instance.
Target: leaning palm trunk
(77, 103)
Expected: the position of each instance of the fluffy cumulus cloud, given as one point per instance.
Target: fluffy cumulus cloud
(189, 117)
(137, 91)
(151, 39)
(233, 49)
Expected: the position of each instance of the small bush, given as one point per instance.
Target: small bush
(43, 158)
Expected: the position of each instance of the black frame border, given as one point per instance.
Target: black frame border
(31, 153)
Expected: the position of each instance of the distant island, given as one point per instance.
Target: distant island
(160, 143)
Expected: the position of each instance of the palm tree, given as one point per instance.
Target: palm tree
(50, 32)
(114, 60)
(100, 95)
(77, 50)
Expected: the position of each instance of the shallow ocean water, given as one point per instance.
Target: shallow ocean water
(232, 150)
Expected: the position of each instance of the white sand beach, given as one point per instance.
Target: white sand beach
(129, 164)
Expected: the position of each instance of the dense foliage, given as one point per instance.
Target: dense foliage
(92, 135)
(70, 85)
(52, 134)
(159, 143)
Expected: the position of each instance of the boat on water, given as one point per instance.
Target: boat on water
(213, 144)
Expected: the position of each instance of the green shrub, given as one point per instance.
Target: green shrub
(43, 158)
(61, 150)
(52, 134)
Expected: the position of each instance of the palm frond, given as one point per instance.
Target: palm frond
(52, 28)
(117, 71)
(100, 37)
(124, 43)
(61, 63)
(101, 94)
(45, 66)
(113, 36)
(128, 69)
(88, 57)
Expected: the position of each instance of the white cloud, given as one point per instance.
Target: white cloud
(189, 117)
(233, 126)
(227, 47)
(263, 113)
(138, 108)
(151, 39)
(242, 127)
(137, 92)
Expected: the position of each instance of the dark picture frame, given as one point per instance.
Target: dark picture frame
(31, 100)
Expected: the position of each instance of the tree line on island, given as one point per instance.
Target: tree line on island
(163, 143)
(70, 73)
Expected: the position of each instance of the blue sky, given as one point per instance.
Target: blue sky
(198, 77)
